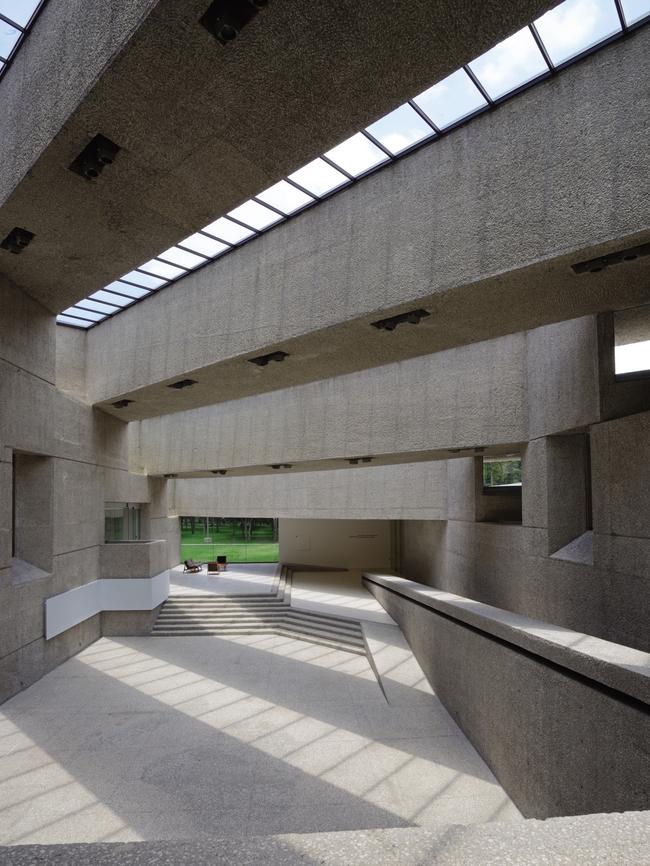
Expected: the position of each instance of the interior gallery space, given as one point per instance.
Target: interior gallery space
(324, 433)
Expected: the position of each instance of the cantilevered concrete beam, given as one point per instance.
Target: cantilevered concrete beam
(480, 228)
(202, 126)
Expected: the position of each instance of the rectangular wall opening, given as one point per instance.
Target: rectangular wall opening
(32, 533)
(239, 539)
(632, 343)
(499, 482)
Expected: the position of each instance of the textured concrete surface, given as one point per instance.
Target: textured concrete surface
(335, 594)
(133, 559)
(592, 840)
(246, 579)
(582, 745)
(196, 738)
(333, 66)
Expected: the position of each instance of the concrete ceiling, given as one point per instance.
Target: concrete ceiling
(515, 301)
(202, 126)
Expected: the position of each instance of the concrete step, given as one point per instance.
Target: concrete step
(228, 621)
(199, 631)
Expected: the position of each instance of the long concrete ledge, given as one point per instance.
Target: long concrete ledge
(76, 605)
(614, 666)
(560, 717)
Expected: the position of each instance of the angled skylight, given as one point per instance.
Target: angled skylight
(451, 100)
(255, 215)
(564, 33)
(510, 64)
(285, 197)
(183, 258)
(400, 129)
(84, 314)
(228, 231)
(16, 19)
(356, 154)
(318, 178)
(633, 357)
(576, 26)
(635, 10)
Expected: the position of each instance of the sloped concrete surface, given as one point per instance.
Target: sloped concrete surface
(591, 840)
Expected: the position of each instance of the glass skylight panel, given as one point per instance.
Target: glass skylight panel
(182, 258)
(127, 289)
(633, 357)
(84, 314)
(162, 269)
(510, 64)
(20, 11)
(203, 244)
(400, 129)
(118, 300)
(285, 197)
(8, 37)
(77, 323)
(255, 215)
(635, 10)
(451, 100)
(356, 154)
(228, 231)
(143, 280)
(318, 178)
(88, 304)
(575, 26)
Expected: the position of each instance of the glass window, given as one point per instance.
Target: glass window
(203, 244)
(632, 340)
(502, 472)
(182, 258)
(510, 64)
(162, 269)
(285, 197)
(8, 38)
(256, 215)
(228, 231)
(103, 295)
(451, 100)
(318, 178)
(20, 11)
(635, 10)
(95, 305)
(66, 320)
(400, 129)
(126, 289)
(575, 26)
(144, 280)
(84, 314)
(356, 154)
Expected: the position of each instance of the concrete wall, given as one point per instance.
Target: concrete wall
(336, 543)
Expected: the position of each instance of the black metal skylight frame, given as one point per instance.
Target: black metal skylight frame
(437, 133)
(5, 62)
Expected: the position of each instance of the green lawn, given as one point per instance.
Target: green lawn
(228, 541)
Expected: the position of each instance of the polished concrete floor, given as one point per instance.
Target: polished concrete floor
(178, 738)
(337, 594)
(238, 579)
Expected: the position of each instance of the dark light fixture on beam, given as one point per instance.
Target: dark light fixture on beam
(182, 383)
(170, 475)
(263, 360)
(122, 404)
(17, 240)
(225, 19)
(97, 154)
(412, 317)
(281, 465)
(218, 471)
(353, 461)
(593, 266)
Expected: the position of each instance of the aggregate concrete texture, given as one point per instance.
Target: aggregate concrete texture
(325, 69)
(591, 840)
(199, 738)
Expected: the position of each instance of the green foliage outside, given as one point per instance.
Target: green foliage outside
(498, 473)
(241, 540)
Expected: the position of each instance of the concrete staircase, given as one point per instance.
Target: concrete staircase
(221, 615)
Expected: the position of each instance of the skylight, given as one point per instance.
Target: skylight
(565, 33)
(16, 19)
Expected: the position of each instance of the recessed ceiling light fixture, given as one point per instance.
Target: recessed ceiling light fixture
(413, 317)
(97, 154)
(225, 19)
(182, 383)
(122, 404)
(17, 240)
(592, 266)
(263, 360)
